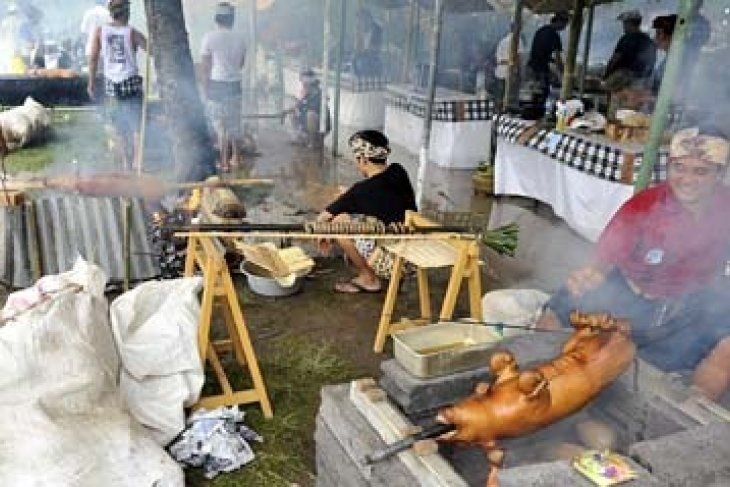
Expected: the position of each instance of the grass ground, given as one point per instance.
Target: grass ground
(76, 136)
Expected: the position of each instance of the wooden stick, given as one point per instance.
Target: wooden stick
(319, 236)
(222, 183)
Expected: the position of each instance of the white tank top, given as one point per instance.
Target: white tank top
(120, 60)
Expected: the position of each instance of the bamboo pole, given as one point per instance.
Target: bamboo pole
(576, 23)
(253, 82)
(127, 242)
(659, 120)
(145, 107)
(514, 65)
(438, 11)
(587, 48)
(325, 65)
(408, 54)
(338, 78)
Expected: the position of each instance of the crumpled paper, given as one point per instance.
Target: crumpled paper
(216, 440)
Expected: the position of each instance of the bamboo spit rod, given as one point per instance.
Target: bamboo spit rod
(318, 236)
(67, 182)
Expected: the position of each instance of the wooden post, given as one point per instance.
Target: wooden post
(408, 54)
(253, 106)
(325, 65)
(587, 48)
(338, 78)
(511, 85)
(672, 71)
(438, 11)
(576, 23)
(127, 242)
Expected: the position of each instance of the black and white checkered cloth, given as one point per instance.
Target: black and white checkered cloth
(590, 156)
(358, 84)
(445, 111)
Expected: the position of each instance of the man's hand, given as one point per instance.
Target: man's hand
(585, 279)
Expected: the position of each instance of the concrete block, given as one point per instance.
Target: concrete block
(351, 433)
(414, 395)
(698, 456)
(554, 474)
(334, 467)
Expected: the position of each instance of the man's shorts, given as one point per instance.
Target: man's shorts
(673, 334)
(225, 102)
(124, 114)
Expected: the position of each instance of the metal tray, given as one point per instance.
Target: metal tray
(444, 348)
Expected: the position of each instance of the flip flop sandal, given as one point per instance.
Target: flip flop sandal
(352, 287)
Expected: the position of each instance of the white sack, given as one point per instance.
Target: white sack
(156, 330)
(61, 419)
(519, 307)
(24, 124)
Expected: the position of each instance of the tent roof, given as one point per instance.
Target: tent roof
(450, 6)
(552, 6)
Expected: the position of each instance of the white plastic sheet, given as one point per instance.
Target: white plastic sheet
(155, 327)
(61, 419)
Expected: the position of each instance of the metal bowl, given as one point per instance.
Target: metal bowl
(267, 286)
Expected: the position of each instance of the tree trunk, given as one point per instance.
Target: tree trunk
(192, 148)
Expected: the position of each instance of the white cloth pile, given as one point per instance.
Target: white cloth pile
(22, 125)
(64, 420)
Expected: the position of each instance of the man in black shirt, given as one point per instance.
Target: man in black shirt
(546, 49)
(385, 194)
(633, 59)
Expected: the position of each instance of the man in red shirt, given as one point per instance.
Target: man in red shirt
(663, 262)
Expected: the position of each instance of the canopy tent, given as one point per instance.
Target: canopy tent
(551, 6)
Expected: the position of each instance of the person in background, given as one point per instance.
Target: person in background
(502, 55)
(116, 45)
(546, 51)
(223, 54)
(663, 263)
(384, 195)
(664, 30)
(94, 18)
(633, 60)
(307, 111)
(367, 60)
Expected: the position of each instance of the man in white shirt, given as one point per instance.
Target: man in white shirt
(94, 18)
(223, 54)
(501, 71)
(115, 46)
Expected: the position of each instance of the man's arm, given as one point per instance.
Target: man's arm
(139, 41)
(94, 62)
(615, 58)
(558, 56)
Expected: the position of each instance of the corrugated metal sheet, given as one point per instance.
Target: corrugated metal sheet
(70, 226)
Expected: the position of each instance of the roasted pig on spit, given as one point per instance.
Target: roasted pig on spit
(518, 401)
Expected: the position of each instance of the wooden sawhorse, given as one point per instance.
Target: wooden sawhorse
(207, 254)
(463, 257)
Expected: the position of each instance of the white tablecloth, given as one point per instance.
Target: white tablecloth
(585, 202)
(455, 143)
(459, 145)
